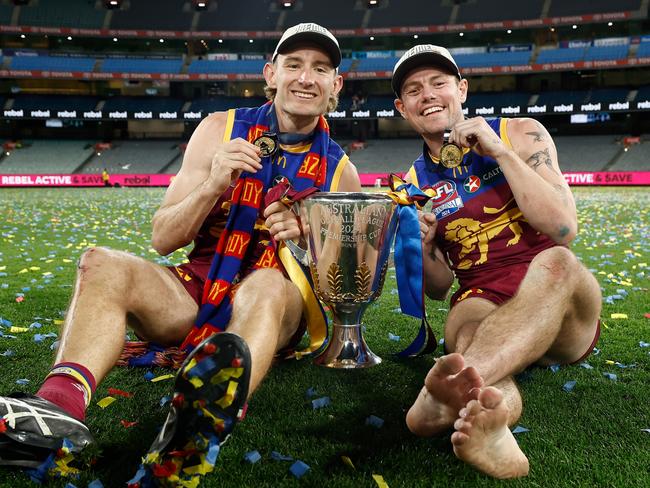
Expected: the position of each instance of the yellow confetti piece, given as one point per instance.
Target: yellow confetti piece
(24, 270)
(34, 268)
(196, 382)
(47, 273)
(67, 260)
(379, 479)
(609, 361)
(2, 268)
(619, 316)
(347, 461)
(162, 378)
(106, 401)
(15, 329)
(58, 322)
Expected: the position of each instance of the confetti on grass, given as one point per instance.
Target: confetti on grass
(252, 457)
(321, 402)
(379, 479)
(106, 401)
(162, 378)
(569, 386)
(348, 462)
(611, 376)
(276, 456)
(520, 429)
(375, 421)
(298, 469)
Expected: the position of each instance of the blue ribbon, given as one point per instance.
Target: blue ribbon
(408, 262)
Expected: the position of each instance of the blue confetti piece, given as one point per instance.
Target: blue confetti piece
(7, 353)
(441, 342)
(70, 485)
(26, 289)
(375, 421)
(276, 456)
(55, 345)
(311, 392)
(569, 386)
(5, 322)
(393, 337)
(645, 430)
(321, 402)
(22, 381)
(586, 366)
(252, 457)
(644, 344)
(625, 366)
(397, 310)
(554, 367)
(298, 469)
(611, 376)
(95, 484)
(165, 400)
(520, 430)
(4, 286)
(149, 376)
(35, 325)
(141, 473)
(394, 291)
(595, 351)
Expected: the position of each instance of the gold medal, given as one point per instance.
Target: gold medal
(268, 143)
(451, 155)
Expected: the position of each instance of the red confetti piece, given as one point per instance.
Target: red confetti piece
(19, 299)
(3, 426)
(164, 470)
(647, 315)
(128, 424)
(115, 391)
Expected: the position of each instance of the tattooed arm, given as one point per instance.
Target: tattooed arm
(540, 189)
(531, 169)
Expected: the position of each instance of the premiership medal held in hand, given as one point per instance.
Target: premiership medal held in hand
(451, 155)
(268, 143)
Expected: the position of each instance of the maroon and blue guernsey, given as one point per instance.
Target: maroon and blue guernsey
(480, 229)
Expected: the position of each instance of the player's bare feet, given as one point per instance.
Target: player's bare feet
(447, 388)
(483, 439)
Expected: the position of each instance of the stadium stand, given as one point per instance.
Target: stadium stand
(137, 104)
(643, 50)
(47, 156)
(586, 153)
(496, 99)
(230, 16)
(557, 97)
(55, 102)
(561, 55)
(53, 63)
(215, 104)
(134, 157)
(597, 53)
(164, 15)
(227, 66)
(561, 8)
(409, 13)
(71, 13)
(5, 13)
(608, 95)
(334, 14)
(496, 10)
(506, 58)
(636, 158)
(141, 65)
(386, 155)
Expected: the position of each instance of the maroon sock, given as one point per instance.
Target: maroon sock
(70, 386)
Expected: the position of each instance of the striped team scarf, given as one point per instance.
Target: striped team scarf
(303, 171)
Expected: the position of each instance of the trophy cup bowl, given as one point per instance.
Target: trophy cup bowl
(349, 238)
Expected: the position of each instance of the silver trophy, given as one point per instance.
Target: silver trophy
(349, 237)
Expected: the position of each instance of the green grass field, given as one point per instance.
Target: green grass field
(591, 436)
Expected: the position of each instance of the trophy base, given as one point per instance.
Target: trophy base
(347, 349)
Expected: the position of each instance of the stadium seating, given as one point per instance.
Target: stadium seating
(141, 65)
(253, 66)
(496, 99)
(173, 15)
(643, 50)
(71, 13)
(386, 155)
(136, 104)
(597, 53)
(485, 59)
(47, 156)
(557, 97)
(55, 102)
(134, 157)
(585, 153)
(636, 158)
(239, 15)
(5, 13)
(608, 95)
(409, 13)
(375, 64)
(496, 10)
(561, 55)
(333, 14)
(53, 63)
(561, 8)
(216, 104)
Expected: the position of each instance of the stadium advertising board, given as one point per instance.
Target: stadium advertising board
(612, 178)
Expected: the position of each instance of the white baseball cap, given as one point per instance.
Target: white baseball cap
(422, 55)
(309, 32)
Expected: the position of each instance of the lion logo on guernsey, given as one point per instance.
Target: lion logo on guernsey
(445, 198)
(472, 184)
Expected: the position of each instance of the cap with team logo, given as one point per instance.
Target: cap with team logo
(422, 55)
(309, 32)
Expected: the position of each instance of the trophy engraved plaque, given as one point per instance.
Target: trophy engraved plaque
(349, 238)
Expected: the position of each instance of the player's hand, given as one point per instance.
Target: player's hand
(230, 160)
(428, 226)
(476, 134)
(282, 222)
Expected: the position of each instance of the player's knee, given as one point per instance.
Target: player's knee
(99, 262)
(558, 264)
(264, 285)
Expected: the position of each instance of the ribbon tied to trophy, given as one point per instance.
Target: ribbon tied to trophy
(408, 261)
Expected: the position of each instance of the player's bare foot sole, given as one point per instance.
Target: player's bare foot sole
(448, 387)
(483, 439)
